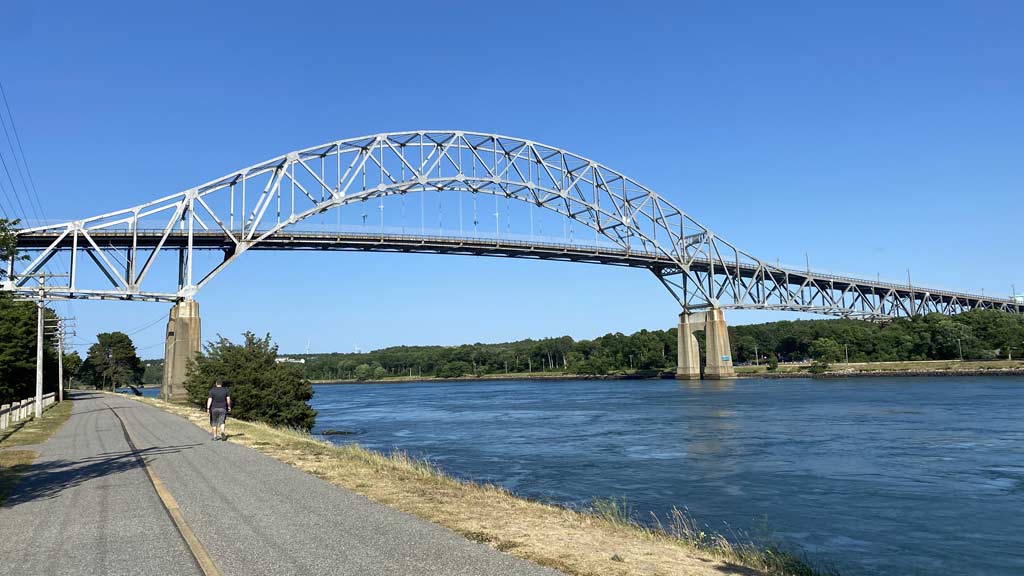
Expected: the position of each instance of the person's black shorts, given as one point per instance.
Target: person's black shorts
(217, 416)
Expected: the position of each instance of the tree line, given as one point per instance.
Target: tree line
(112, 361)
(975, 335)
(18, 333)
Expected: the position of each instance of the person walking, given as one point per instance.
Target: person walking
(218, 404)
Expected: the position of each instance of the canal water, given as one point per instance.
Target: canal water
(870, 475)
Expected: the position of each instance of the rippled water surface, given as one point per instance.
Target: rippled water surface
(876, 476)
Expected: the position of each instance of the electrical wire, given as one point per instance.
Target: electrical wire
(24, 159)
(30, 189)
(148, 325)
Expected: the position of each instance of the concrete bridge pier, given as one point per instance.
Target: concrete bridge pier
(182, 345)
(716, 336)
(716, 340)
(688, 356)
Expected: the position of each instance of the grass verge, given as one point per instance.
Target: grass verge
(35, 431)
(14, 463)
(606, 540)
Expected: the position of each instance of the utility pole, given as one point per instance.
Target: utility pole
(39, 352)
(60, 332)
(60, 360)
(40, 307)
(960, 348)
(847, 347)
(63, 328)
(757, 358)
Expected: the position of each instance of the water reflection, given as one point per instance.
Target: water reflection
(708, 385)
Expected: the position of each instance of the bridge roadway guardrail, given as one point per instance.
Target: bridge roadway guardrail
(343, 240)
(11, 414)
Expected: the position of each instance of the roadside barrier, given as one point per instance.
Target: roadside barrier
(11, 414)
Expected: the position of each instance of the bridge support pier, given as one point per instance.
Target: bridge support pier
(182, 345)
(716, 335)
(716, 340)
(688, 357)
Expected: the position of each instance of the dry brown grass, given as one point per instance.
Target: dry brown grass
(604, 542)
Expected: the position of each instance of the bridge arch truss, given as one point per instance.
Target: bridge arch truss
(266, 205)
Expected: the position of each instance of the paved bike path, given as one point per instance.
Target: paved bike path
(88, 507)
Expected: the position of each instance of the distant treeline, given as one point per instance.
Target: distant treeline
(981, 334)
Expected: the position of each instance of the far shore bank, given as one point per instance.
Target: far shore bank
(916, 368)
(888, 373)
(519, 376)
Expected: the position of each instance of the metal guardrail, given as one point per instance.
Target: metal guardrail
(11, 414)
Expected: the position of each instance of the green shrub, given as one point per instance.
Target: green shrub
(261, 388)
(454, 369)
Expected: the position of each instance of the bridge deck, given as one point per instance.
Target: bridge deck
(494, 247)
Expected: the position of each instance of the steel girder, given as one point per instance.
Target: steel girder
(259, 207)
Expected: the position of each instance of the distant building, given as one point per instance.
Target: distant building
(282, 359)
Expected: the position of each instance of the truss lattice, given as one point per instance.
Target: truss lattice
(270, 205)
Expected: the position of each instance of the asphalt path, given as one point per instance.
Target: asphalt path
(87, 506)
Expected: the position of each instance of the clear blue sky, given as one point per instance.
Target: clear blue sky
(873, 136)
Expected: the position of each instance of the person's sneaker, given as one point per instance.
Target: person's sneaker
(214, 438)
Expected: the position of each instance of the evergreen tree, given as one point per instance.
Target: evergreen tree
(72, 364)
(112, 362)
(18, 327)
(262, 389)
(8, 244)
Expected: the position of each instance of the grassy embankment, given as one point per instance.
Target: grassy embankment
(14, 463)
(605, 541)
(938, 367)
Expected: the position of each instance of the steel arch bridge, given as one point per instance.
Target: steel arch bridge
(269, 205)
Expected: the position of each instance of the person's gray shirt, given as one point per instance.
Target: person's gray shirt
(219, 396)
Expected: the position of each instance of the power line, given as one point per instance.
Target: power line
(24, 160)
(14, 188)
(137, 330)
(137, 348)
(3, 189)
(34, 196)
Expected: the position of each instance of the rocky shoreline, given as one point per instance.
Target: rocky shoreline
(889, 373)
